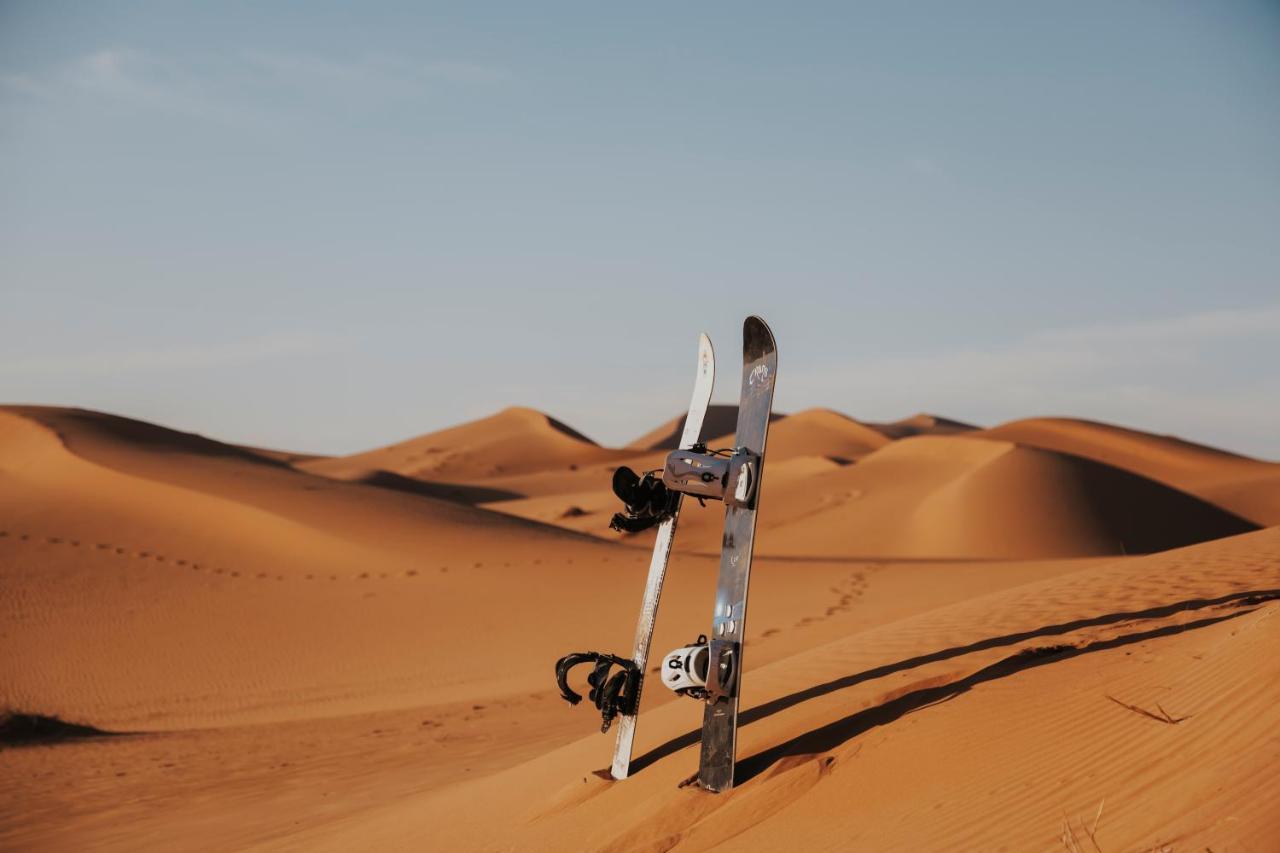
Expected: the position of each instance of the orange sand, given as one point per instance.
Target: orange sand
(959, 639)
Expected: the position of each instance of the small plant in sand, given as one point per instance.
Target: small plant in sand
(1071, 841)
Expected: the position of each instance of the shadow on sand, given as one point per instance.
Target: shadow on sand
(833, 734)
(456, 492)
(34, 729)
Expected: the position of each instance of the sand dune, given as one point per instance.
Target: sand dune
(720, 419)
(1245, 486)
(922, 423)
(825, 432)
(963, 494)
(949, 497)
(162, 547)
(944, 651)
(978, 725)
(818, 432)
(514, 441)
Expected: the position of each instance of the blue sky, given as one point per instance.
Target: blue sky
(330, 226)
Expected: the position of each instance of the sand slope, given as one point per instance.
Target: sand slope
(721, 419)
(165, 592)
(1248, 487)
(921, 423)
(942, 653)
(954, 496)
(821, 432)
(514, 441)
(951, 497)
(1138, 693)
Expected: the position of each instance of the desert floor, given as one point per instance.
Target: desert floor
(1052, 634)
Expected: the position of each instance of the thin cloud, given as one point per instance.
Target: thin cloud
(23, 83)
(372, 76)
(1189, 328)
(189, 88)
(243, 352)
(1127, 373)
(125, 76)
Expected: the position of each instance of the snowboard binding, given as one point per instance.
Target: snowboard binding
(612, 694)
(720, 475)
(645, 498)
(687, 670)
(684, 671)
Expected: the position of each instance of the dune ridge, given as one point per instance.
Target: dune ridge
(960, 497)
(921, 423)
(1248, 487)
(720, 419)
(516, 440)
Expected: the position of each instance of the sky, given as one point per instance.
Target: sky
(330, 226)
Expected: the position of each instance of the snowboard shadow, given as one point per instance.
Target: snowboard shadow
(848, 727)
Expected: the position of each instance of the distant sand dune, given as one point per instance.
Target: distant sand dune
(1245, 486)
(720, 419)
(818, 432)
(514, 441)
(112, 548)
(959, 497)
(922, 423)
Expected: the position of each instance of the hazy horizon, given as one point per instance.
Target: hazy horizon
(331, 228)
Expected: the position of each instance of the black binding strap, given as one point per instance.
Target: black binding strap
(646, 500)
(612, 694)
(629, 524)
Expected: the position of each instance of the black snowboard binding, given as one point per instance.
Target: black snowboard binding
(646, 499)
(612, 694)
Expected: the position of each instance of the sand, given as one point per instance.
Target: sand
(1044, 634)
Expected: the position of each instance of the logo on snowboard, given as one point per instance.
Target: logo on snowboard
(760, 376)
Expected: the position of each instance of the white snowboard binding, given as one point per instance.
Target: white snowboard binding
(685, 670)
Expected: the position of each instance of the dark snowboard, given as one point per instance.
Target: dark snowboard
(728, 629)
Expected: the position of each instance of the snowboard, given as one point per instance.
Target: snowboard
(728, 627)
(703, 383)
